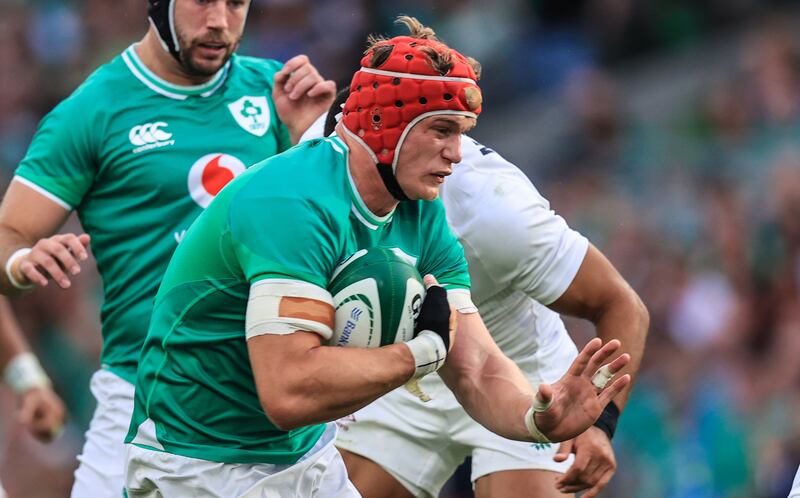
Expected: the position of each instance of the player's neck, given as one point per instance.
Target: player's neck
(367, 179)
(162, 63)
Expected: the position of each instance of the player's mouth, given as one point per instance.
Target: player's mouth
(212, 50)
(441, 175)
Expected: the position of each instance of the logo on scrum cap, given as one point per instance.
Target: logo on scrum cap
(210, 173)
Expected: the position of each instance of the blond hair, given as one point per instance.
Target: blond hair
(441, 61)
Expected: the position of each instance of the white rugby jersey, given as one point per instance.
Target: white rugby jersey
(522, 256)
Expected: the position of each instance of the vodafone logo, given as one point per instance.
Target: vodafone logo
(150, 136)
(209, 174)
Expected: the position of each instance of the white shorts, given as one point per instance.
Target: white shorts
(320, 473)
(102, 461)
(422, 444)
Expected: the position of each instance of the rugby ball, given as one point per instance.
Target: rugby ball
(377, 294)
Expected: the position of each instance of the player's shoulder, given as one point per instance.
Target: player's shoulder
(101, 87)
(486, 184)
(312, 172)
(255, 68)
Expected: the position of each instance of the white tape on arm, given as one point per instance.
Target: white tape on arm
(263, 308)
(18, 254)
(461, 300)
(530, 422)
(24, 372)
(428, 351)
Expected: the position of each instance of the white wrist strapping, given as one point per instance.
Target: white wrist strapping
(530, 422)
(428, 351)
(24, 372)
(19, 253)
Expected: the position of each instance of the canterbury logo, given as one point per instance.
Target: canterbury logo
(150, 136)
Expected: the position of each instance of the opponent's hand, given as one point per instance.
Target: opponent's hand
(594, 464)
(53, 258)
(301, 95)
(574, 403)
(435, 313)
(42, 413)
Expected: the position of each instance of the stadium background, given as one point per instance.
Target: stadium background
(667, 131)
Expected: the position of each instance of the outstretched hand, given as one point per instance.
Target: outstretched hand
(575, 403)
(301, 95)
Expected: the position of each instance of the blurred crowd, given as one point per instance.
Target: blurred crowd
(699, 209)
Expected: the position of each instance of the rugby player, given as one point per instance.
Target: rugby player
(235, 386)
(138, 150)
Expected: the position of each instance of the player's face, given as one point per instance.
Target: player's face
(428, 153)
(208, 32)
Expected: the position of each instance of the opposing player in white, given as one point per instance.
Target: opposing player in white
(522, 258)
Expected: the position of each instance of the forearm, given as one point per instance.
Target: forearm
(320, 383)
(12, 341)
(626, 319)
(495, 393)
(339, 381)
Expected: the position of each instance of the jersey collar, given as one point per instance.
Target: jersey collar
(358, 207)
(171, 90)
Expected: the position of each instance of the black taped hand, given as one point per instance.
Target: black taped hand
(434, 314)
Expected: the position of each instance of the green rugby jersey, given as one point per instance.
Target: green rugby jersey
(294, 216)
(139, 158)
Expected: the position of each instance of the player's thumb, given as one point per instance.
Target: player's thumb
(84, 239)
(543, 398)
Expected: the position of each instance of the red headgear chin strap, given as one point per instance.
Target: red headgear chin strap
(386, 102)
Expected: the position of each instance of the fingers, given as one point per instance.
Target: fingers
(572, 480)
(324, 88)
(295, 63)
(42, 413)
(602, 483)
(579, 365)
(600, 357)
(299, 77)
(55, 258)
(564, 450)
(612, 391)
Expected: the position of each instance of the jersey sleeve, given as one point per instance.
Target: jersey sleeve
(61, 161)
(287, 238)
(523, 244)
(443, 256)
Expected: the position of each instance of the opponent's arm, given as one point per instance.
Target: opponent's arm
(494, 392)
(28, 220)
(41, 411)
(599, 294)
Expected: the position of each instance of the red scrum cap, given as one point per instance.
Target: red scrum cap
(386, 101)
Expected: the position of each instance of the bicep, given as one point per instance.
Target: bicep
(596, 283)
(31, 213)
